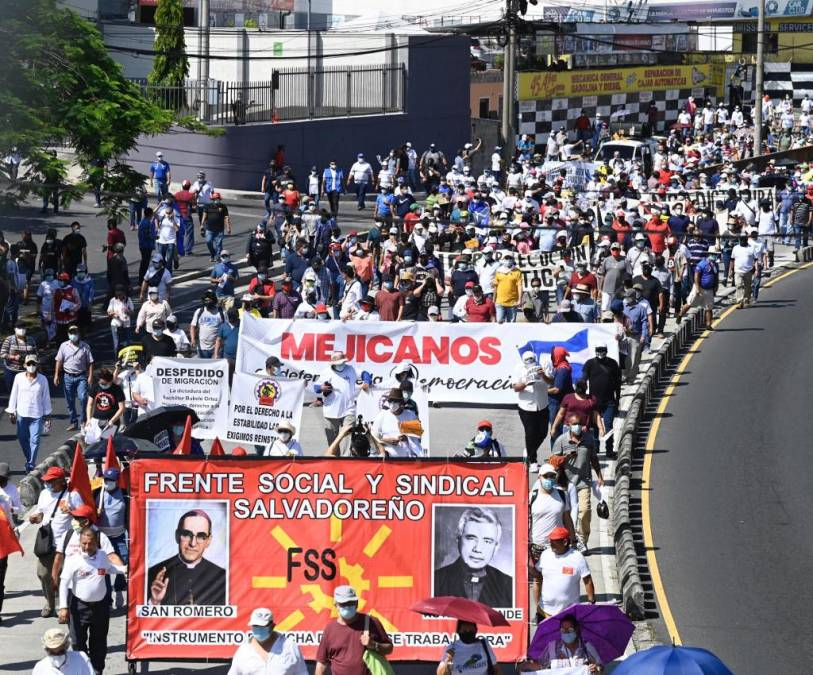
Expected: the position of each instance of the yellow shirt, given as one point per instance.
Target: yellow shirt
(508, 287)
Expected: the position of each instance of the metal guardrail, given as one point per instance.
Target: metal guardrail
(290, 94)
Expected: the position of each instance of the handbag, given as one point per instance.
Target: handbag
(376, 663)
(44, 542)
(488, 656)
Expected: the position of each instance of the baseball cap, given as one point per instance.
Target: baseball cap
(261, 616)
(344, 594)
(53, 473)
(82, 511)
(546, 468)
(558, 533)
(111, 474)
(469, 284)
(484, 424)
(433, 311)
(31, 358)
(159, 154)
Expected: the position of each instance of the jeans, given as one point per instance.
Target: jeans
(413, 178)
(28, 433)
(189, 236)
(756, 282)
(205, 353)
(267, 203)
(121, 338)
(608, 412)
(161, 189)
(76, 385)
(535, 423)
(506, 314)
(785, 227)
(333, 200)
(136, 210)
(167, 252)
(553, 409)
(214, 242)
(802, 234)
(361, 193)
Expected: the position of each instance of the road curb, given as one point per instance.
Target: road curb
(626, 555)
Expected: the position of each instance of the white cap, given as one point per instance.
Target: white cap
(159, 154)
(285, 425)
(528, 356)
(261, 616)
(639, 236)
(547, 468)
(345, 594)
(488, 249)
(54, 638)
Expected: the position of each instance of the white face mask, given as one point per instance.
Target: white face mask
(31, 369)
(284, 436)
(19, 332)
(110, 485)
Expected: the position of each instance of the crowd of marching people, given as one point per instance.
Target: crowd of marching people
(515, 242)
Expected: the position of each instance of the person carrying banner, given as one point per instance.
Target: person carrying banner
(267, 651)
(345, 639)
(338, 390)
(389, 428)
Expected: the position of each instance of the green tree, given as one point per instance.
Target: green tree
(59, 86)
(170, 66)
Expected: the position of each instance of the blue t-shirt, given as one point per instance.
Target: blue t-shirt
(383, 202)
(160, 170)
(708, 273)
(227, 275)
(228, 334)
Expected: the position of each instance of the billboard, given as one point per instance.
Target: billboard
(213, 539)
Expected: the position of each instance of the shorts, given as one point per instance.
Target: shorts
(704, 299)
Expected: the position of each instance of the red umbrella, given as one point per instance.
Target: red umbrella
(462, 609)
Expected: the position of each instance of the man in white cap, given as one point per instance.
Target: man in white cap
(345, 640)
(267, 651)
(285, 445)
(59, 657)
(160, 176)
(339, 392)
(530, 381)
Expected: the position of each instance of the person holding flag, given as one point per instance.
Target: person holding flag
(9, 502)
(111, 505)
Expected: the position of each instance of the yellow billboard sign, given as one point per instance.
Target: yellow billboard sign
(544, 85)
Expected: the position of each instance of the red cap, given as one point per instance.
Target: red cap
(82, 511)
(335, 246)
(216, 195)
(53, 473)
(239, 452)
(469, 284)
(321, 307)
(352, 233)
(558, 533)
(63, 276)
(484, 424)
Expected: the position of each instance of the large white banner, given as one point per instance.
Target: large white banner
(456, 362)
(705, 198)
(259, 403)
(200, 384)
(541, 265)
(369, 403)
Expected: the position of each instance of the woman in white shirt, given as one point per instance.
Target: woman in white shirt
(267, 651)
(285, 445)
(468, 654)
(120, 309)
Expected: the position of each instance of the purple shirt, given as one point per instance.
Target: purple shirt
(285, 304)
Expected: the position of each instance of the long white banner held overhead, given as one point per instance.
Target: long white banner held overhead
(705, 198)
(465, 362)
(200, 384)
(259, 403)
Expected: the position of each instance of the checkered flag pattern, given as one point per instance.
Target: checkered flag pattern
(795, 79)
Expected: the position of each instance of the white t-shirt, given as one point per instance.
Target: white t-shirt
(280, 449)
(61, 522)
(117, 307)
(469, 659)
(535, 396)
(204, 192)
(743, 257)
(167, 233)
(496, 161)
(547, 513)
(561, 577)
(343, 400)
(73, 547)
(76, 663)
(284, 658)
(386, 424)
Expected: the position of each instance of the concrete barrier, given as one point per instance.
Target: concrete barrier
(31, 485)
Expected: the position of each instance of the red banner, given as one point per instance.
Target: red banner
(212, 540)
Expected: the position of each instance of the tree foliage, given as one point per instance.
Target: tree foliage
(59, 86)
(170, 66)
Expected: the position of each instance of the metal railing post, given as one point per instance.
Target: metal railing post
(349, 91)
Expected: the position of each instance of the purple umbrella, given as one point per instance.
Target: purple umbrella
(604, 626)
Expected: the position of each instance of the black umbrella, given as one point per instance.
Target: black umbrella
(123, 445)
(156, 425)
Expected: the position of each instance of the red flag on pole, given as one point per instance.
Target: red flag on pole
(8, 540)
(111, 461)
(185, 444)
(217, 449)
(80, 480)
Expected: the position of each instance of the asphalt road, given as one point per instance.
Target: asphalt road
(732, 500)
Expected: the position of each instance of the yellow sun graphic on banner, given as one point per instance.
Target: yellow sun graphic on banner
(352, 573)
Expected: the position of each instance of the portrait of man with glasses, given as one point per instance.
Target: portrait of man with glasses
(188, 578)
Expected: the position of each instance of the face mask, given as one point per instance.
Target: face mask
(74, 337)
(31, 369)
(407, 396)
(153, 297)
(49, 278)
(76, 525)
(284, 436)
(19, 332)
(713, 258)
(568, 637)
(110, 485)
(57, 660)
(469, 292)
(62, 284)
(482, 438)
(601, 355)
(407, 261)
(576, 429)
(640, 244)
(261, 633)
(347, 613)
(536, 288)
(509, 264)
(225, 259)
(211, 305)
(104, 385)
(396, 408)
(548, 484)
(81, 275)
(158, 333)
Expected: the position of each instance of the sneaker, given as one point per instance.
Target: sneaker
(47, 612)
(533, 468)
(73, 426)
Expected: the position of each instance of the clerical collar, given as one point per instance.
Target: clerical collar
(189, 566)
(475, 576)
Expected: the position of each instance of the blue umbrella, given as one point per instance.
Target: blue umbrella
(668, 660)
(606, 627)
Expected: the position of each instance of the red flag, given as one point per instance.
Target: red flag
(217, 449)
(8, 540)
(80, 479)
(185, 445)
(111, 461)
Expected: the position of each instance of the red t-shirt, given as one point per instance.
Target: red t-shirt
(657, 230)
(184, 199)
(341, 646)
(267, 288)
(388, 303)
(588, 279)
(480, 313)
(114, 236)
(291, 198)
(582, 407)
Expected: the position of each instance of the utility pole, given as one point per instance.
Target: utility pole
(509, 75)
(758, 79)
(203, 57)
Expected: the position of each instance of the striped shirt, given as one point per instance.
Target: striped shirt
(13, 352)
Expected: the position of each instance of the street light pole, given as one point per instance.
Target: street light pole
(203, 57)
(509, 74)
(759, 79)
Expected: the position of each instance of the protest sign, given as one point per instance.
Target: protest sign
(457, 362)
(705, 199)
(541, 265)
(370, 403)
(200, 384)
(259, 403)
(578, 172)
(284, 534)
